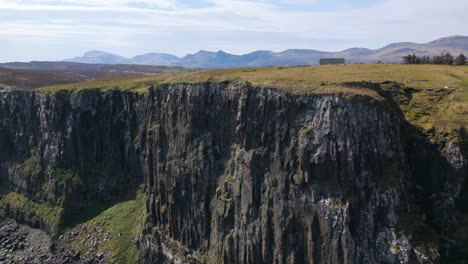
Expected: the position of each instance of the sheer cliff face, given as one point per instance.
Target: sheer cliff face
(262, 176)
(234, 174)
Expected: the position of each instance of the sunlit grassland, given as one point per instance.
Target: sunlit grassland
(439, 100)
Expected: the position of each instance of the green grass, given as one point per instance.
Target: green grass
(123, 223)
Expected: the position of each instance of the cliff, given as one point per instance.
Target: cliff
(233, 174)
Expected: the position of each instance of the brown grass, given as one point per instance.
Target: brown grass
(20, 79)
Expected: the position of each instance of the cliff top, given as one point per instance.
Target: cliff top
(298, 79)
(431, 96)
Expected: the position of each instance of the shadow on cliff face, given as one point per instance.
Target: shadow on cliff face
(437, 186)
(4, 182)
(97, 189)
(432, 171)
(462, 203)
(93, 208)
(437, 189)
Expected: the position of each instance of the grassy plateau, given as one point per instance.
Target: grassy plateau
(430, 96)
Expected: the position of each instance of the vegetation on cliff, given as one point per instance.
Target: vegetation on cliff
(37, 214)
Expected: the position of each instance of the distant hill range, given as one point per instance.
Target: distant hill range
(207, 59)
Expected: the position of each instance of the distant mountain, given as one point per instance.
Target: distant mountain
(220, 59)
(162, 59)
(100, 57)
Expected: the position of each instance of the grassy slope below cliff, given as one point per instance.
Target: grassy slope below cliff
(112, 234)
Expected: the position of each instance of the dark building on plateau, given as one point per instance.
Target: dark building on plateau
(332, 61)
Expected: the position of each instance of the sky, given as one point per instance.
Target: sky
(60, 29)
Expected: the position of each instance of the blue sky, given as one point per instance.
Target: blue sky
(54, 30)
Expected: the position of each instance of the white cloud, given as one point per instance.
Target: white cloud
(112, 21)
(255, 16)
(100, 3)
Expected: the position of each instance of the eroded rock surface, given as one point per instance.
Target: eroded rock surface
(22, 244)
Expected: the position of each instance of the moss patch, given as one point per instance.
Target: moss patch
(30, 169)
(230, 178)
(35, 213)
(298, 178)
(306, 130)
(225, 198)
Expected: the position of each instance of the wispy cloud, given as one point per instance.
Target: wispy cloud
(235, 25)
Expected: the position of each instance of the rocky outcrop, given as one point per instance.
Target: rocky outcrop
(235, 174)
(21, 244)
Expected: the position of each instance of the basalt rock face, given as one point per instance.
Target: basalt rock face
(259, 176)
(235, 174)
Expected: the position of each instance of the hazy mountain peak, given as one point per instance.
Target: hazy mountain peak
(451, 38)
(357, 49)
(156, 54)
(452, 41)
(162, 59)
(100, 57)
(202, 52)
(97, 53)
